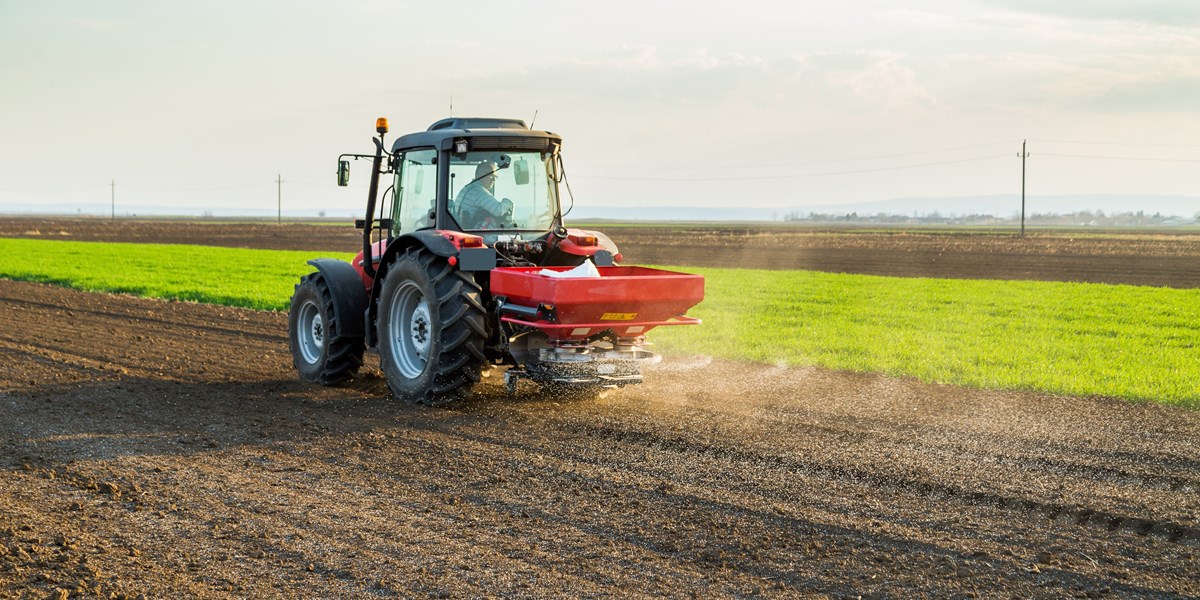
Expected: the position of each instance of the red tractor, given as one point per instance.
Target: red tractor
(467, 265)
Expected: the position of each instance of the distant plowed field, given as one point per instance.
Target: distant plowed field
(1136, 258)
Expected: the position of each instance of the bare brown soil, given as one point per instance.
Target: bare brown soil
(1136, 258)
(167, 450)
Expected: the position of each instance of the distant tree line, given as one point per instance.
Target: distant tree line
(1097, 218)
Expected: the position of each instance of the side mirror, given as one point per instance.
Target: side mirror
(343, 173)
(418, 184)
(521, 171)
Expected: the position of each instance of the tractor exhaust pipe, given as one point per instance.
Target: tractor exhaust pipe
(381, 127)
(368, 260)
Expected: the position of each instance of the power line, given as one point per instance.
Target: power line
(801, 175)
(328, 184)
(279, 197)
(913, 166)
(1097, 143)
(1137, 158)
(801, 163)
(200, 189)
(1024, 155)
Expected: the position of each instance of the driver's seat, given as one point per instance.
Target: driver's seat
(475, 218)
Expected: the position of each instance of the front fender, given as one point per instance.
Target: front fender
(349, 296)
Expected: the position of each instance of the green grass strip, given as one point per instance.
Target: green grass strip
(1131, 342)
(259, 279)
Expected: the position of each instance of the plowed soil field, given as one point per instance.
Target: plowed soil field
(167, 450)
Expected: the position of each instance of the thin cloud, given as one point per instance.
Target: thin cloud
(1059, 27)
(922, 19)
(1164, 12)
(95, 24)
(642, 77)
(1095, 33)
(1107, 82)
(1170, 95)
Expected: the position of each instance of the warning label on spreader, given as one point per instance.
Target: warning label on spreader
(617, 316)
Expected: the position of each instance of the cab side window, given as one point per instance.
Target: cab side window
(415, 191)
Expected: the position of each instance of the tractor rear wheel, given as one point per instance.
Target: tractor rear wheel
(432, 329)
(319, 352)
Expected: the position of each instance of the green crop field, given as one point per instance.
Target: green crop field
(260, 279)
(1070, 338)
(1131, 342)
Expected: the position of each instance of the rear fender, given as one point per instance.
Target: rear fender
(349, 296)
(429, 239)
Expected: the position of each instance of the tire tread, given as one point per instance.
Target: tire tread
(343, 354)
(463, 322)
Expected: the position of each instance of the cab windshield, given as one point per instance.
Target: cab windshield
(504, 190)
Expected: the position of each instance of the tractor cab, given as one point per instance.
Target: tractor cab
(491, 177)
(494, 180)
(489, 192)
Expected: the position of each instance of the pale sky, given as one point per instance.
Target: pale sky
(772, 104)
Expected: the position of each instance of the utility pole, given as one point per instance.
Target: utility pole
(113, 185)
(1023, 155)
(279, 197)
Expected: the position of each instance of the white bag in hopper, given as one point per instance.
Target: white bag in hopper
(587, 269)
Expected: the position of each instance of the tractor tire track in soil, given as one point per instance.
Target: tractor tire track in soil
(167, 449)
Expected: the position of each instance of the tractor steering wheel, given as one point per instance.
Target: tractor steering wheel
(482, 219)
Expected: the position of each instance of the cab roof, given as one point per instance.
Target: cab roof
(484, 133)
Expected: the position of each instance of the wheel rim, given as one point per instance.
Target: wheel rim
(410, 330)
(311, 332)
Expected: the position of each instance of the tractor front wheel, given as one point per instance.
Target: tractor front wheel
(432, 329)
(319, 352)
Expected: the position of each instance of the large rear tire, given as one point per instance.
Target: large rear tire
(319, 352)
(432, 329)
